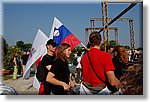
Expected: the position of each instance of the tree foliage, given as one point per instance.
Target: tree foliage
(112, 43)
(27, 46)
(19, 47)
(20, 44)
(4, 46)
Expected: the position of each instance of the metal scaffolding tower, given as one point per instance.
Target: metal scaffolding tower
(132, 36)
(111, 28)
(105, 23)
(131, 26)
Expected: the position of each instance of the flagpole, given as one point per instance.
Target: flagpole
(83, 45)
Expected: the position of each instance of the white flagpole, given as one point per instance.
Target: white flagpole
(83, 45)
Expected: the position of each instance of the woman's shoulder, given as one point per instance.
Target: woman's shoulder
(58, 60)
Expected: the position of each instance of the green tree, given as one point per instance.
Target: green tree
(20, 44)
(102, 47)
(7, 62)
(27, 46)
(4, 46)
(113, 43)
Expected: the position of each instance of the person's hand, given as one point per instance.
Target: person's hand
(66, 87)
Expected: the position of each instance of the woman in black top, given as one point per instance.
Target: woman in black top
(59, 72)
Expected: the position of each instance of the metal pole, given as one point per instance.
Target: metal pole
(132, 36)
(119, 15)
(106, 22)
(103, 21)
(86, 33)
(116, 36)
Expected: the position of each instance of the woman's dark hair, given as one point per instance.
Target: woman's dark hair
(95, 38)
(61, 49)
(132, 79)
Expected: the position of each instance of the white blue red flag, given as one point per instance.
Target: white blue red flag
(62, 35)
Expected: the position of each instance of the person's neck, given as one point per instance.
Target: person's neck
(63, 59)
(50, 53)
(98, 47)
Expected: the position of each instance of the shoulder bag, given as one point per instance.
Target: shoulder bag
(109, 86)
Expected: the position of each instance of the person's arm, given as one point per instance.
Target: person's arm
(112, 79)
(50, 78)
(15, 62)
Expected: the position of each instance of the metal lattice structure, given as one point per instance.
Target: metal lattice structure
(132, 35)
(105, 23)
(131, 28)
(111, 28)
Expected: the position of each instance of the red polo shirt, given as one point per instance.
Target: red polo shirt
(101, 61)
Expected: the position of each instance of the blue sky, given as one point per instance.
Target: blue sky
(21, 21)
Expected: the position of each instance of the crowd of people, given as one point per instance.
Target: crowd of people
(19, 64)
(94, 68)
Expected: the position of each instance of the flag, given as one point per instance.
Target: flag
(38, 49)
(36, 83)
(62, 35)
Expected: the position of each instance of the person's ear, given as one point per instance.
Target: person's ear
(47, 46)
(100, 42)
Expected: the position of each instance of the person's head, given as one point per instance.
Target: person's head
(24, 52)
(95, 39)
(51, 45)
(64, 51)
(109, 49)
(122, 53)
(15, 54)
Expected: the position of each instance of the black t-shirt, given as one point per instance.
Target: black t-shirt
(24, 59)
(47, 60)
(17, 61)
(62, 72)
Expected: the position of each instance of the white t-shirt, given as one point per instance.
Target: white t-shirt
(79, 65)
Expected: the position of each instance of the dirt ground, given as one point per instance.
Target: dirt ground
(23, 87)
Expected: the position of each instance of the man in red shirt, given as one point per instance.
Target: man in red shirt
(101, 62)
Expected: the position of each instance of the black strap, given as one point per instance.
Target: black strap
(93, 69)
